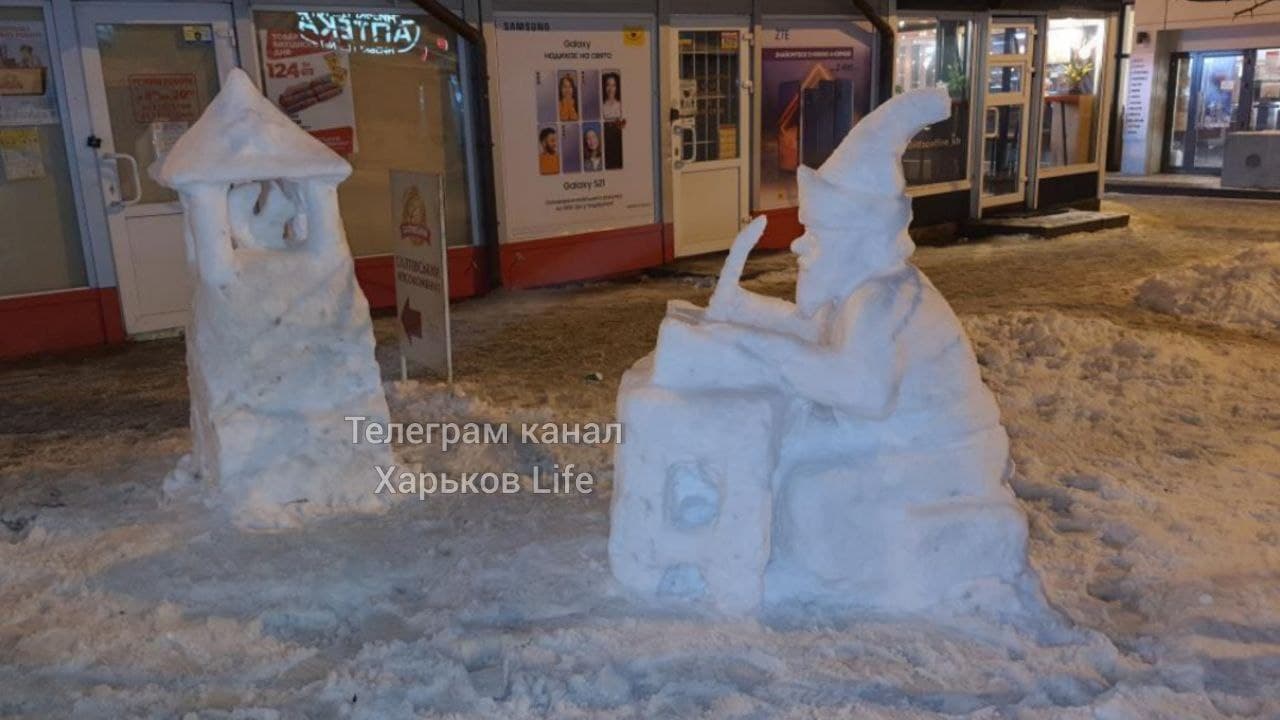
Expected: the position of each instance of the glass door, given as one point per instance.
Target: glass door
(1006, 106)
(1204, 107)
(150, 71)
(710, 178)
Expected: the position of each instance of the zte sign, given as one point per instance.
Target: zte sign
(372, 33)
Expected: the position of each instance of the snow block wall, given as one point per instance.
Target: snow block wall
(280, 344)
(839, 450)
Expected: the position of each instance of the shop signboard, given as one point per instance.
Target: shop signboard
(372, 33)
(576, 123)
(421, 272)
(311, 83)
(815, 84)
(25, 85)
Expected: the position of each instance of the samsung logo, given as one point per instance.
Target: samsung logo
(529, 26)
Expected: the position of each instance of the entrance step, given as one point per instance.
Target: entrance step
(1049, 225)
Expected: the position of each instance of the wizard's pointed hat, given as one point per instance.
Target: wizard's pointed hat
(867, 165)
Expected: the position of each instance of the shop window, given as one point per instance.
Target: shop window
(40, 247)
(815, 86)
(932, 52)
(1004, 79)
(1264, 114)
(138, 64)
(385, 92)
(1002, 150)
(1072, 91)
(709, 90)
(1008, 40)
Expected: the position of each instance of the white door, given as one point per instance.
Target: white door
(150, 70)
(1007, 103)
(710, 177)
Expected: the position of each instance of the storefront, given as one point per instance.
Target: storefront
(1213, 93)
(92, 95)
(1013, 143)
(654, 131)
(1198, 72)
(620, 140)
(737, 94)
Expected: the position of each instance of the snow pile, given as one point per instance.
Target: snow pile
(841, 450)
(280, 345)
(1241, 291)
(1146, 461)
(1149, 462)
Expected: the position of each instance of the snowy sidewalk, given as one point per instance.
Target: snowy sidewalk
(1148, 453)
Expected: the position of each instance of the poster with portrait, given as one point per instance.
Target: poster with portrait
(312, 85)
(26, 84)
(576, 123)
(815, 84)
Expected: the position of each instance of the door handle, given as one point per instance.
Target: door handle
(682, 143)
(687, 141)
(137, 178)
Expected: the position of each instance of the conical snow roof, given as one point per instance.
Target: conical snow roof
(242, 136)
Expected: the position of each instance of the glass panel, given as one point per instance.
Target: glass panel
(159, 78)
(1002, 143)
(394, 102)
(1219, 96)
(1072, 91)
(1181, 109)
(40, 238)
(1265, 113)
(1008, 40)
(709, 91)
(1004, 79)
(930, 52)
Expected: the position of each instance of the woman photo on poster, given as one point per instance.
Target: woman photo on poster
(568, 96)
(611, 95)
(592, 152)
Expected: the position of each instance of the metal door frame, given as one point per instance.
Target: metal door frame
(670, 61)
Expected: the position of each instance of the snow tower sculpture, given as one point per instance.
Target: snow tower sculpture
(841, 449)
(279, 342)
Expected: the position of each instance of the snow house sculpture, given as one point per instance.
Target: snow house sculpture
(279, 341)
(841, 450)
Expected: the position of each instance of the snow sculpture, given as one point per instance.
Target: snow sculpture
(841, 449)
(279, 342)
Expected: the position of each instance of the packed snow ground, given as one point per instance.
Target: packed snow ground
(1148, 453)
